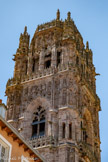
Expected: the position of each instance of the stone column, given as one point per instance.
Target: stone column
(73, 130)
(60, 130)
(67, 131)
(41, 60)
(64, 55)
(54, 57)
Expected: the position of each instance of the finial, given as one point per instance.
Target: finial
(25, 29)
(58, 15)
(68, 16)
(87, 45)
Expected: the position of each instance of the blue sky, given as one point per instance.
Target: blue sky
(91, 18)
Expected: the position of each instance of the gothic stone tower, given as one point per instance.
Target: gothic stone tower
(52, 98)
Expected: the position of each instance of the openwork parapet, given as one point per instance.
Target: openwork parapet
(43, 141)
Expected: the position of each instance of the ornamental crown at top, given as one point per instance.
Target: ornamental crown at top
(58, 23)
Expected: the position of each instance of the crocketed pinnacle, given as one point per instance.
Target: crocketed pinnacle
(68, 16)
(58, 15)
(87, 45)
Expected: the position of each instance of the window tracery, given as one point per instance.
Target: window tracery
(38, 124)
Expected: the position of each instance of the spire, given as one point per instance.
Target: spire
(87, 45)
(58, 15)
(68, 16)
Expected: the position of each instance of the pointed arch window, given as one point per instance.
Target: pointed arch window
(38, 124)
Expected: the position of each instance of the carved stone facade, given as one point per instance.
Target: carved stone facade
(52, 98)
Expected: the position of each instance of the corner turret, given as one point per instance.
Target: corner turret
(24, 42)
(20, 58)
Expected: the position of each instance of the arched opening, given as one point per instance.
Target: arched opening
(58, 58)
(37, 64)
(33, 66)
(38, 124)
(63, 130)
(70, 131)
(47, 61)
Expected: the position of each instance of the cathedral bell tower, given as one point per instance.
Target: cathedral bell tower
(51, 99)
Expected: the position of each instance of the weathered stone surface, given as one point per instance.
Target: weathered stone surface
(52, 99)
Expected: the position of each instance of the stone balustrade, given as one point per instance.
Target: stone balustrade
(38, 74)
(43, 141)
(49, 25)
(44, 72)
